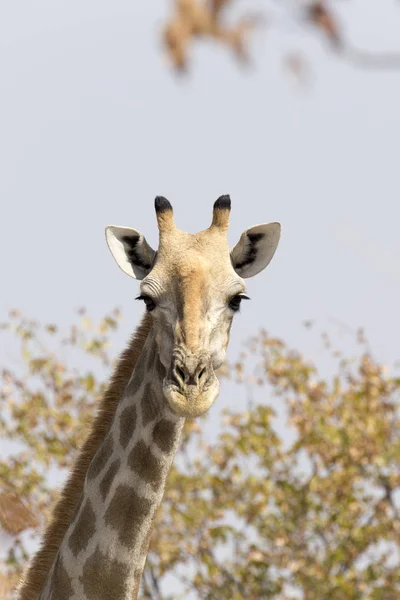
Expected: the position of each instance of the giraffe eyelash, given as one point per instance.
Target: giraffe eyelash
(149, 302)
(235, 301)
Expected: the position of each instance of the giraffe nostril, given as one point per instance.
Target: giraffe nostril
(182, 376)
(201, 374)
(180, 373)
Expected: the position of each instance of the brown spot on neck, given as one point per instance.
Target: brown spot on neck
(126, 514)
(151, 358)
(102, 457)
(84, 529)
(104, 577)
(160, 369)
(127, 425)
(138, 374)
(60, 582)
(145, 464)
(151, 405)
(165, 434)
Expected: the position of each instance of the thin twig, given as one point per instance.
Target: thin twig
(386, 61)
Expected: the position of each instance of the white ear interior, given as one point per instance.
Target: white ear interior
(255, 249)
(130, 250)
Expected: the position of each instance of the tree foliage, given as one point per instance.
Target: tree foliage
(232, 24)
(252, 515)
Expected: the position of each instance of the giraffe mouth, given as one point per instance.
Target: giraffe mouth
(191, 401)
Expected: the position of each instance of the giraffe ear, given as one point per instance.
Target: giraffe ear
(130, 250)
(255, 249)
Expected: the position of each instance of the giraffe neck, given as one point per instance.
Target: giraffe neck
(104, 550)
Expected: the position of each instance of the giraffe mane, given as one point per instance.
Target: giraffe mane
(41, 564)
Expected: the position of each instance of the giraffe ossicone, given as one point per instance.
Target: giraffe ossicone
(96, 545)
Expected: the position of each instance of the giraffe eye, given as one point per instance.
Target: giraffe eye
(235, 301)
(149, 302)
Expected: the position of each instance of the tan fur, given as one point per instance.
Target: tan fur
(193, 286)
(62, 515)
(165, 221)
(221, 218)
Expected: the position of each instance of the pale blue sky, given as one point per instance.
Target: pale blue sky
(94, 125)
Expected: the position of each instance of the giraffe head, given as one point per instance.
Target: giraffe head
(192, 286)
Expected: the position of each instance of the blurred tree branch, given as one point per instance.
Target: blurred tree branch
(192, 20)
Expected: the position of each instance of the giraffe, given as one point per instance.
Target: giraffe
(96, 544)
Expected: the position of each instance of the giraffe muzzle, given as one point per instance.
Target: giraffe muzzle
(191, 385)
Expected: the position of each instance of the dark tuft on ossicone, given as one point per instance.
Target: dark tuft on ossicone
(223, 203)
(162, 204)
